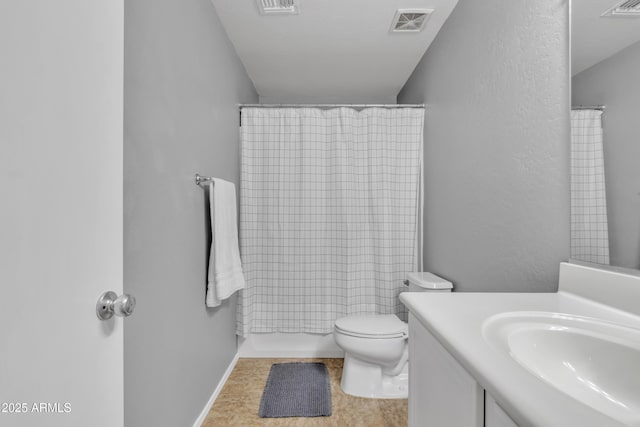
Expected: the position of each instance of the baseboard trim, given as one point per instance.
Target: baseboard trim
(217, 391)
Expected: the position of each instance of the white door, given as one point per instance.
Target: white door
(61, 84)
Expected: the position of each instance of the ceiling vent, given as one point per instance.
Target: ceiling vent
(411, 20)
(279, 7)
(625, 9)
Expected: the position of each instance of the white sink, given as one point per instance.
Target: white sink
(593, 361)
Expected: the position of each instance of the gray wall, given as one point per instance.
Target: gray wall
(614, 83)
(496, 84)
(182, 83)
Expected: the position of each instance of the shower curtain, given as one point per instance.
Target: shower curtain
(589, 227)
(329, 221)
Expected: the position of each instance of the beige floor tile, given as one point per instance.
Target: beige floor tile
(239, 400)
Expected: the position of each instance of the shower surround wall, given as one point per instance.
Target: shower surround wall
(496, 157)
(183, 82)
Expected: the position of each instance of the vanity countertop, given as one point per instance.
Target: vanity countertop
(456, 320)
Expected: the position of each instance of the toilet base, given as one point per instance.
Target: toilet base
(365, 379)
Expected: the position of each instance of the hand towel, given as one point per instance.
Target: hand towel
(225, 268)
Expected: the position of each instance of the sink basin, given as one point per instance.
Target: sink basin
(593, 361)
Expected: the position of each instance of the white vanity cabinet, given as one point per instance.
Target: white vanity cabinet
(463, 342)
(494, 415)
(441, 391)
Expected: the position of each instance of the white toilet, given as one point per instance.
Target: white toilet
(376, 347)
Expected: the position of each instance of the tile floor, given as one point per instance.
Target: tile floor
(238, 403)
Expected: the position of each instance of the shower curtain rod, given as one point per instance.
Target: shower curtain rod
(589, 107)
(331, 105)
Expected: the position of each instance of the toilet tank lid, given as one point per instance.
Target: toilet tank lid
(428, 280)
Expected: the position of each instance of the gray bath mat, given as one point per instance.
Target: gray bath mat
(296, 390)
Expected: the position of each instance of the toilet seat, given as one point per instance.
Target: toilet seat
(379, 326)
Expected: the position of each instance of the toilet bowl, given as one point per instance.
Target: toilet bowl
(376, 347)
(376, 353)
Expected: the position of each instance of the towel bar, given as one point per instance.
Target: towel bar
(203, 179)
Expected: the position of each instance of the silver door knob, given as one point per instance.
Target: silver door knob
(110, 303)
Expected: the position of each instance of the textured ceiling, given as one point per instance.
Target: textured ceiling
(333, 51)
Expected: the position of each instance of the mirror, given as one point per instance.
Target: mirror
(605, 64)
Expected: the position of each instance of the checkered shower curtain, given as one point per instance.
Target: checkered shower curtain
(329, 222)
(589, 228)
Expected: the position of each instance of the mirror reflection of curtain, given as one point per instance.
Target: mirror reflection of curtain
(329, 205)
(589, 227)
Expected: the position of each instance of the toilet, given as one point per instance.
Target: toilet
(376, 347)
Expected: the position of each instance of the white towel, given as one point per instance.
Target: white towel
(225, 269)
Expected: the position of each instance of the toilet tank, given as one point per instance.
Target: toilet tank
(428, 282)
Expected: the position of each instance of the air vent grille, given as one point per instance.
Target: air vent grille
(410, 20)
(278, 7)
(627, 8)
